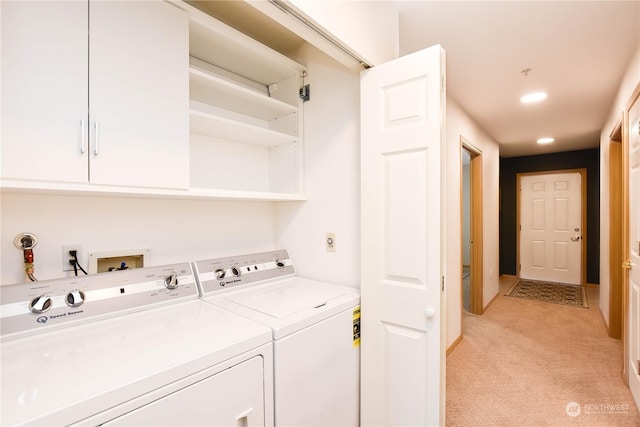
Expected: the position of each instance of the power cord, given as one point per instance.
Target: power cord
(75, 263)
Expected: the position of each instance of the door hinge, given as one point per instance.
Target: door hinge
(442, 83)
(442, 283)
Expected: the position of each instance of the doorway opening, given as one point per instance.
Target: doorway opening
(616, 244)
(471, 228)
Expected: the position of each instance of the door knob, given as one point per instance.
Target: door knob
(576, 238)
(429, 312)
(627, 265)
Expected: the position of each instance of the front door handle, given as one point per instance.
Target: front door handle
(576, 238)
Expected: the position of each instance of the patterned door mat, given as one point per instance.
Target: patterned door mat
(556, 293)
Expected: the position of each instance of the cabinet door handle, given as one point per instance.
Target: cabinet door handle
(97, 140)
(83, 145)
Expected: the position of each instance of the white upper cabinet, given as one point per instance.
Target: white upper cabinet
(145, 97)
(94, 93)
(245, 116)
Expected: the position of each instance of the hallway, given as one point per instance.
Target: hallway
(524, 362)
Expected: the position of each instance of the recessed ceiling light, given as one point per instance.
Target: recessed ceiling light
(533, 97)
(547, 140)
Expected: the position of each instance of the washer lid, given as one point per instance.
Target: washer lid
(284, 299)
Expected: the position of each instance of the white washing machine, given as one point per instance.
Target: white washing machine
(316, 333)
(134, 347)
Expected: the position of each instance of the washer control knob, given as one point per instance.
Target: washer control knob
(75, 298)
(40, 304)
(220, 273)
(236, 271)
(171, 281)
(280, 264)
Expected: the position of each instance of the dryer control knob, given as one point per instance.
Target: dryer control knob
(171, 281)
(220, 273)
(280, 264)
(236, 271)
(40, 304)
(75, 298)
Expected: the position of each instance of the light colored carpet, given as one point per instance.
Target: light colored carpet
(523, 363)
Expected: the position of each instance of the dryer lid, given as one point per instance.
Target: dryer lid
(288, 298)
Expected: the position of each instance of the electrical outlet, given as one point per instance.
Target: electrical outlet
(330, 241)
(66, 265)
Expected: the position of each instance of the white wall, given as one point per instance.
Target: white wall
(627, 86)
(369, 28)
(460, 124)
(332, 169)
(173, 230)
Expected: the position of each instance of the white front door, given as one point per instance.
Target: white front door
(551, 227)
(402, 370)
(633, 227)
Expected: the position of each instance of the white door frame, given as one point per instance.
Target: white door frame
(583, 219)
(476, 199)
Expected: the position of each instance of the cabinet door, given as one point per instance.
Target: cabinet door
(139, 94)
(44, 90)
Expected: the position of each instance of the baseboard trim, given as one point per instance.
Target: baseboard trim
(454, 344)
(604, 320)
(490, 302)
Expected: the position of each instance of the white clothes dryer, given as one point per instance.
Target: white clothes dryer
(316, 333)
(133, 347)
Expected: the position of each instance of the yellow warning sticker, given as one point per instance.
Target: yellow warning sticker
(356, 326)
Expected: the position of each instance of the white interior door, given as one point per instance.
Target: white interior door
(402, 370)
(633, 185)
(551, 227)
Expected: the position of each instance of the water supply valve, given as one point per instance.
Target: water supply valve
(26, 242)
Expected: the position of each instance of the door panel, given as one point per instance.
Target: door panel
(139, 94)
(551, 224)
(402, 107)
(44, 90)
(633, 249)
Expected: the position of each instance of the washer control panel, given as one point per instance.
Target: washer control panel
(230, 272)
(33, 306)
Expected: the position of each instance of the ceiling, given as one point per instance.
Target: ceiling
(576, 51)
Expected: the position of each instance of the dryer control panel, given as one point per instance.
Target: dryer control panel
(42, 305)
(218, 274)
